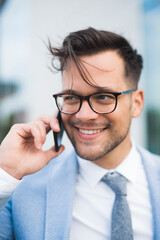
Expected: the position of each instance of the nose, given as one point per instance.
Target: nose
(86, 113)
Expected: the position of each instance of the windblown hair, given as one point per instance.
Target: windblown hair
(89, 42)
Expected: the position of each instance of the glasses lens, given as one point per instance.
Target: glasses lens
(103, 102)
(68, 103)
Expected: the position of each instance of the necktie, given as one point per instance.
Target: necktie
(121, 226)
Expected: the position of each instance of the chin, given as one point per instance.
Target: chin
(96, 152)
(90, 153)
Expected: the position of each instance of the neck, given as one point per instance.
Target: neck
(116, 156)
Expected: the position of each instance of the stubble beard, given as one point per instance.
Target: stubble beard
(90, 152)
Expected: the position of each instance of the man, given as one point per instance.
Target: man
(74, 196)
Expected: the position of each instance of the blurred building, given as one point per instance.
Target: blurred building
(24, 29)
(152, 72)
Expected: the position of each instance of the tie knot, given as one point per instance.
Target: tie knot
(116, 182)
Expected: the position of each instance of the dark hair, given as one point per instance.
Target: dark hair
(91, 41)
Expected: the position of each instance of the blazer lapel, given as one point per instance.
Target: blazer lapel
(152, 168)
(59, 197)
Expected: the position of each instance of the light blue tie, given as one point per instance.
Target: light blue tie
(121, 227)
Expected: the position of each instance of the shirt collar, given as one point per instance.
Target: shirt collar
(129, 167)
(92, 173)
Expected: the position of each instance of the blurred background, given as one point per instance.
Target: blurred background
(27, 84)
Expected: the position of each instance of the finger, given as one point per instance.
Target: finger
(51, 153)
(41, 126)
(31, 130)
(55, 124)
(46, 120)
(51, 122)
(39, 133)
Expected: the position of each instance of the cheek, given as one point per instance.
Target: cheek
(124, 107)
(121, 117)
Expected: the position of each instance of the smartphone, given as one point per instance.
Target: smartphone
(58, 135)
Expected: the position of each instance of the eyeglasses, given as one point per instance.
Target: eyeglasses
(100, 102)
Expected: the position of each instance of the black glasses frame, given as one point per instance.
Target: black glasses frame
(87, 98)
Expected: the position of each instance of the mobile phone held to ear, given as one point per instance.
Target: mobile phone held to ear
(58, 135)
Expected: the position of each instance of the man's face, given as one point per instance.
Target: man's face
(95, 135)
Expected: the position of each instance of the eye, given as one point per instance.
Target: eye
(70, 99)
(104, 98)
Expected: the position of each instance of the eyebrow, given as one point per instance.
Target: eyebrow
(98, 89)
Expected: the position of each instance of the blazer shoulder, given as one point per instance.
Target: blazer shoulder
(149, 156)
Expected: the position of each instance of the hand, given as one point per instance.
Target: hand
(21, 151)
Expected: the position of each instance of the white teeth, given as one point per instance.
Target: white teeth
(90, 131)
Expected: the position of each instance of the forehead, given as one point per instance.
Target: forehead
(105, 70)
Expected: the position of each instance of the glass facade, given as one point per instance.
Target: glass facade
(152, 73)
(13, 64)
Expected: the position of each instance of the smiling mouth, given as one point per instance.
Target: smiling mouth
(90, 132)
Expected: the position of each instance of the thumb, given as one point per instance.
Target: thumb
(51, 153)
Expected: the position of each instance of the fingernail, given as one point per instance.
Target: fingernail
(57, 126)
(39, 146)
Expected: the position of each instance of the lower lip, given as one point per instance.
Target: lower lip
(88, 136)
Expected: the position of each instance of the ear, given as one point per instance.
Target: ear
(137, 103)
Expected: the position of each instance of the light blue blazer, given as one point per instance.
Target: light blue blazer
(41, 207)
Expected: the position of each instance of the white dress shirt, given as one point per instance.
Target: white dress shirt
(7, 184)
(94, 200)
